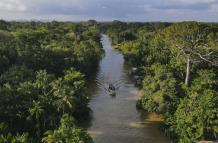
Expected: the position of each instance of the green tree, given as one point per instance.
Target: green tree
(160, 91)
(190, 39)
(67, 133)
(196, 116)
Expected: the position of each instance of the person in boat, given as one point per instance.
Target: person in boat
(111, 87)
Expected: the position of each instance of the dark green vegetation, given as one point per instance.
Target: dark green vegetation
(43, 73)
(177, 70)
(44, 68)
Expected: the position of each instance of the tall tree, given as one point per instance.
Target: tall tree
(192, 41)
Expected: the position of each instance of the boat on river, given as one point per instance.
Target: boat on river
(111, 89)
(115, 117)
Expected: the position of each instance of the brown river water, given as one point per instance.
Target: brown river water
(115, 119)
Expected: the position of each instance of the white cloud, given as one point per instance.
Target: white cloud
(152, 10)
(195, 1)
(214, 8)
(12, 6)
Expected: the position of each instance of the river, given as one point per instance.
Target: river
(115, 119)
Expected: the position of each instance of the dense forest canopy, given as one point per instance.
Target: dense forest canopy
(43, 72)
(44, 67)
(177, 70)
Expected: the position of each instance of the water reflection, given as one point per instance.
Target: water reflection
(116, 119)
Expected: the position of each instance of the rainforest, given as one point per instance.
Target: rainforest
(54, 79)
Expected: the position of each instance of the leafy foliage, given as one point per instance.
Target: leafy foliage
(67, 133)
(165, 56)
(43, 73)
(196, 115)
(160, 91)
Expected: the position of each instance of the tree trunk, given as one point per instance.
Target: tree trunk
(187, 70)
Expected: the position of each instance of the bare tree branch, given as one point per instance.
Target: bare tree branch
(203, 58)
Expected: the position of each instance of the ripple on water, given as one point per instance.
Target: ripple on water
(95, 133)
(138, 124)
(116, 120)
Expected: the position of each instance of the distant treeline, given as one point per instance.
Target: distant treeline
(44, 67)
(43, 71)
(177, 70)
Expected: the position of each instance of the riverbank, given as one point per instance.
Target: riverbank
(116, 119)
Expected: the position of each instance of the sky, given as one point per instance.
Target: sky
(108, 10)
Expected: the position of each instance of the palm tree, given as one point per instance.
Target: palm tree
(35, 112)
